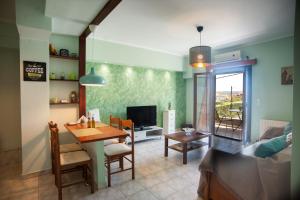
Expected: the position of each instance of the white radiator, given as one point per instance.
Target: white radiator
(265, 124)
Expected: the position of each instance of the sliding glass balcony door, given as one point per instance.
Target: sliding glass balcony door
(205, 101)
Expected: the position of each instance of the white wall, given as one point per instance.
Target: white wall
(34, 102)
(114, 53)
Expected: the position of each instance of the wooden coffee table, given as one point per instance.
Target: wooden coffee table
(186, 142)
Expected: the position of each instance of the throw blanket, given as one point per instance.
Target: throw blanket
(247, 176)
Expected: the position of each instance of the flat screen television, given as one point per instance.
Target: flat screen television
(142, 115)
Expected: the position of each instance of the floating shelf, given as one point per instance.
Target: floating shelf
(64, 103)
(64, 57)
(64, 80)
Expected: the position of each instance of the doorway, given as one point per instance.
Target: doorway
(212, 115)
(229, 93)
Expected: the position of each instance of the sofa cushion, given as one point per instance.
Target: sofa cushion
(288, 128)
(272, 132)
(271, 147)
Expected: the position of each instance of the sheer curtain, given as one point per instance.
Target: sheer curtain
(203, 106)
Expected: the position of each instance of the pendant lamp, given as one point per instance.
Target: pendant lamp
(200, 56)
(92, 79)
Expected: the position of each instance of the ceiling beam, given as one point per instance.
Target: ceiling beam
(104, 12)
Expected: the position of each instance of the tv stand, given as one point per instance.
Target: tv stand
(146, 133)
(143, 128)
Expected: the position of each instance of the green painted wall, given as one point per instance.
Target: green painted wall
(270, 99)
(136, 86)
(296, 135)
(109, 52)
(31, 13)
(65, 42)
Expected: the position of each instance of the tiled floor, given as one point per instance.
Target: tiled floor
(157, 178)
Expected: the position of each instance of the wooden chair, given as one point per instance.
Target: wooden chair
(116, 152)
(64, 148)
(114, 122)
(67, 162)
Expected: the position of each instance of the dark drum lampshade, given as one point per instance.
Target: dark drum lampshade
(200, 56)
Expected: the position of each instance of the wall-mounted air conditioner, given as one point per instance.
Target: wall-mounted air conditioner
(227, 57)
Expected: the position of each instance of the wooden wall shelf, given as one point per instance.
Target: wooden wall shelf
(64, 103)
(68, 80)
(64, 57)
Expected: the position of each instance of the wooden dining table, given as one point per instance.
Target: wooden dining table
(92, 139)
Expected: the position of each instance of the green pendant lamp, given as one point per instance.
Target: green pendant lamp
(92, 79)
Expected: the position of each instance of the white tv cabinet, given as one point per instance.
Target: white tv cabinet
(152, 132)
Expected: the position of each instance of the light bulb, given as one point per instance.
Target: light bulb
(199, 56)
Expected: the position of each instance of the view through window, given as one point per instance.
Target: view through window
(229, 105)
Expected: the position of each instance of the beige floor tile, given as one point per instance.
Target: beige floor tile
(129, 188)
(109, 194)
(162, 190)
(157, 177)
(142, 195)
(150, 181)
(178, 183)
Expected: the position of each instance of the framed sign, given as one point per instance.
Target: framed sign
(34, 71)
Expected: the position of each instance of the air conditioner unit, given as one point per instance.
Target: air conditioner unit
(227, 57)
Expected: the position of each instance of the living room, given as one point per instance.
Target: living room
(140, 50)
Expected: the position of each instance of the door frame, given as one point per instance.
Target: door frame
(247, 96)
(209, 75)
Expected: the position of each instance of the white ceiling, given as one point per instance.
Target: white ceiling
(169, 25)
(71, 17)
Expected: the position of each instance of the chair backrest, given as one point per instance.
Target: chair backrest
(51, 125)
(129, 124)
(95, 113)
(55, 144)
(115, 122)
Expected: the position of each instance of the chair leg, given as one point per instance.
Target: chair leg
(60, 193)
(108, 173)
(92, 181)
(53, 166)
(86, 172)
(59, 184)
(52, 162)
(132, 165)
(121, 163)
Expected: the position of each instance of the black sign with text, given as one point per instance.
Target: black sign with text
(34, 71)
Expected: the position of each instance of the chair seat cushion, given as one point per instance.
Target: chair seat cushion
(116, 149)
(73, 157)
(64, 148)
(110, 141)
